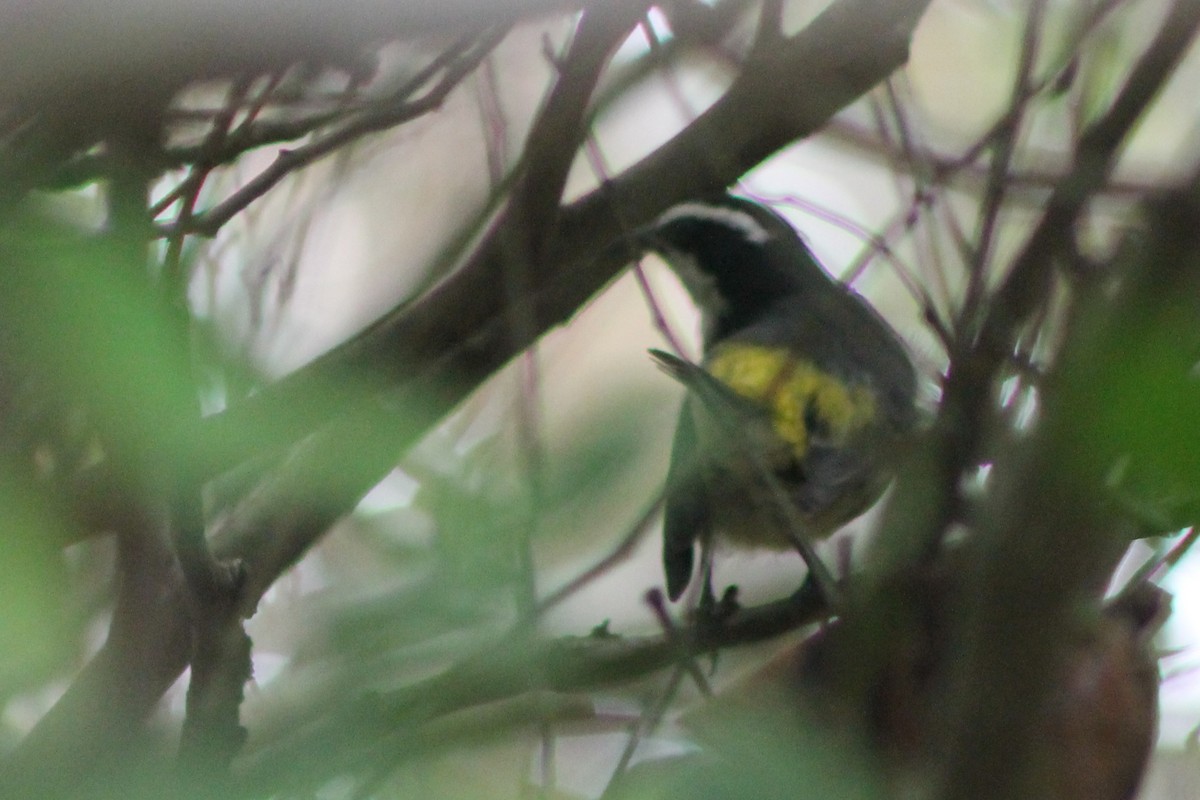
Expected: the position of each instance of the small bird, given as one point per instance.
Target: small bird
(802, 393)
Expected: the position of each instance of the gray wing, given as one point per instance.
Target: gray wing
(686, 513)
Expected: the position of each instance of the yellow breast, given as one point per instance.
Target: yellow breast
(794, 392)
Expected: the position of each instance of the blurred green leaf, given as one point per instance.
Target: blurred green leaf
(79, 314)
(33, 629)
(1131, 391)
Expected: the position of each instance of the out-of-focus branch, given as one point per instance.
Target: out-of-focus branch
(518, 665)
(982, 350)
(145, 46)
(1053, 536)
(529, 218)
(102, 712)
(209, 222)
(1096, 156)
(109, 62)
(1050, 540)
(361, 116)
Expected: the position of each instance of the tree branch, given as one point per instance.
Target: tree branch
(405, 109)
(102, 712)
(156, 48)
(981, 352)
(519, 665)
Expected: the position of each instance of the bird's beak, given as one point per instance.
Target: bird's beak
(638, 242)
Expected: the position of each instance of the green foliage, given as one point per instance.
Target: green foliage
(34, 634)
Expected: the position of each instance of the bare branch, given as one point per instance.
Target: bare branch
(976, 360)
(210, 222)
(160, 48)
(511, 667)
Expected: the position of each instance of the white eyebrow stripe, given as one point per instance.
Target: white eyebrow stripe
(740, 221)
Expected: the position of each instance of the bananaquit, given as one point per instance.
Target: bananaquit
(804, 389)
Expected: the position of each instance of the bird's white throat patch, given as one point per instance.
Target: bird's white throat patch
(739, 221)
(700, 285)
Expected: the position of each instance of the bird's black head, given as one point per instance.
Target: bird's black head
(736, 257)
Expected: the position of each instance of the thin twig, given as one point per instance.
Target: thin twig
(1004, 148)
(643, 726)
(687, 659)
(1096, 156)
(290, 160)
(623, 549)
(1161, 563)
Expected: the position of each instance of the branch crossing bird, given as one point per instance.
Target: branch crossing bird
(802, 394)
